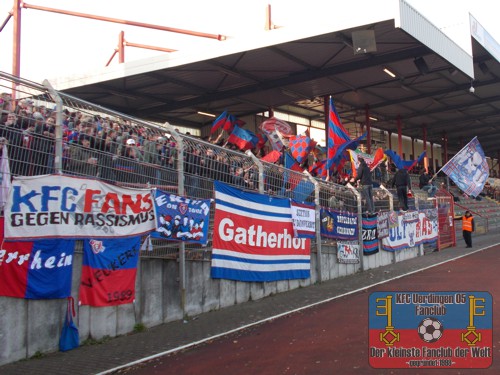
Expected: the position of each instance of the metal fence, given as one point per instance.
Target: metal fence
(51, 132)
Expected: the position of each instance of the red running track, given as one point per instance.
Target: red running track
(331, 338)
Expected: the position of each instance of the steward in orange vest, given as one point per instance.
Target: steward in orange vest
(468, 228)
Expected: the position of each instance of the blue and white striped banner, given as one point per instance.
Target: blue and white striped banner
(253, 238)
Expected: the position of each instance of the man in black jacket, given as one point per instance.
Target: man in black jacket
(365, 177)
(403, 185)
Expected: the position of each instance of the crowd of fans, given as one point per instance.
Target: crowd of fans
(119, 151)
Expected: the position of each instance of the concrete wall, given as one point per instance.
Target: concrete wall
(31, 326)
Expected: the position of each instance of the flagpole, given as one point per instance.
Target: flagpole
(449, 161)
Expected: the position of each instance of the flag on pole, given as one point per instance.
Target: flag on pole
(5, 178)
(272, 157)
(271, 127)
(371, 160)
(300, 146)
(244, 139)
(468, 168)
(291, 180)
(338, 138)
(219, 122)
(262, 141)
(318, 169)
(229, 124)
(406, 164)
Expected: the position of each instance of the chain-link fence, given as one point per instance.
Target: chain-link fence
(51, 132)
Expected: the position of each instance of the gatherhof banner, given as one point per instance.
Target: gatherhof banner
(55, 206)
(415, 228)
(348, 252)
(181, 219)
(304, 219)
(253, 238)
(339, 225)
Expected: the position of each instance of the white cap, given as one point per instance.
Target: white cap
(130, 141)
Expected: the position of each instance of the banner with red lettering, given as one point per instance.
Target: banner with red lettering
(253, 238)
(40, 269)
(415, 228)
(55, 206)
(108, 271)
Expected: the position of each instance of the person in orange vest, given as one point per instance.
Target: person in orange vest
(468, 228)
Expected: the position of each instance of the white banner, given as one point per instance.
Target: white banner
(414, 228)
(348, 252)
(70, 207)
(304, 220)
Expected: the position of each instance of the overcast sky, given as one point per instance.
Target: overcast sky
(54, 44)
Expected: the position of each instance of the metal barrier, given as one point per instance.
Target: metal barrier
(52, 132)
(446, 214)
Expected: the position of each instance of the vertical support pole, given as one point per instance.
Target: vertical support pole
(58, 149)
(261, 170)
(413, 147)
(360, 225)
(424, 137)
(400, 137)
(390, 140)
(121, 47)
(16, 47)
(445, 144)
(368, 130)
(180, 191)
(317, 220)
(432, 157)
(269, 24)
(498, 162)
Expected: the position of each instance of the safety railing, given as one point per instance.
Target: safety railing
(52, 132)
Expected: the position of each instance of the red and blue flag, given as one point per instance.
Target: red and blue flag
(40, 269)
(109, 270)
(338, 138)
(219, 122)
(244, 139)
(400, 163)
(300, 146)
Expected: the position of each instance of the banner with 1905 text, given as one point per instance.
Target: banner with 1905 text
(55, 206)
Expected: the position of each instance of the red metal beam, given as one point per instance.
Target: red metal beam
(112, 57)
(6, 21)
(129, 44)
(16, 46)
(125, 22)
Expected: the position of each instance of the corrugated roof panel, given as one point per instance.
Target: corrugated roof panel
(423, 30)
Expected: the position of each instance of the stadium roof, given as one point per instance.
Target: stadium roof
(291, 71)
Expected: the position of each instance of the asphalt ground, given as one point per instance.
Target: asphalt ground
(321, 329)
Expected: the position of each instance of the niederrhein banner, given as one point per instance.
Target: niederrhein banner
(253, 238)
(55, 206)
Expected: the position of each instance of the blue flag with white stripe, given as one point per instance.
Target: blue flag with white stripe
(253, 238)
